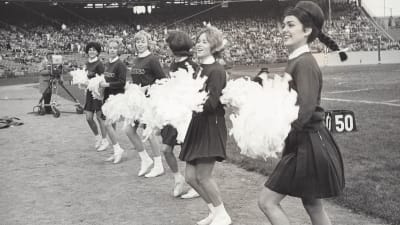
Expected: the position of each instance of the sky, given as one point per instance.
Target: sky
(376, 7)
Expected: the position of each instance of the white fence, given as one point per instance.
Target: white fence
(358, 58)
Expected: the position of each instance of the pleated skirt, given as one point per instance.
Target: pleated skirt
(168, 135)
(311, 165)
(91, 104)
(206, 138)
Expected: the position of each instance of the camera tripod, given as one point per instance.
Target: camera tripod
(48, 101)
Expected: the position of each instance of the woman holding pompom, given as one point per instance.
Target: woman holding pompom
(205, 140)
(93, 105)
(311, 167)
(180, 45)
(115, 78)
(146, 69)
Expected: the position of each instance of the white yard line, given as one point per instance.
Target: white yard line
(394, 100)
(347, 91)
(361, 101)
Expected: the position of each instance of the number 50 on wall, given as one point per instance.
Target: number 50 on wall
(340, 121)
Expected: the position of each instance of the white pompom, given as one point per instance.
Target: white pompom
(128, 106)
(263, 114)
(94, 87)
(172, 101)
(136, 102)
(63, 27)
(79, 77)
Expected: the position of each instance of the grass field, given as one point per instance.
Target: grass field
(371, 154)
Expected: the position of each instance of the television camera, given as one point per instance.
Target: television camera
(48, 102)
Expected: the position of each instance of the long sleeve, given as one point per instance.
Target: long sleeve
(214, 85)
(308, 90)
(120, 77)
(157, 69)
(91, 74)
(100, 68)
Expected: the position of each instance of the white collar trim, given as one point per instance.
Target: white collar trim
(296, 53)
(114, 59)
(144, 54)
(93, 60)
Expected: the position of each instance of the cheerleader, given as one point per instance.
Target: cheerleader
(95, 66)
(205, 140)
(146, 68)
(180, 45)
(311, 167)
(115, 77)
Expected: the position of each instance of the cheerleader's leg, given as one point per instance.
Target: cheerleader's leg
(170, 158)
(118, 151)
(204, 168)
(93, 126)
(316, 211)
(111, 132)
(158, 168)
(269, 203)
(191, 179)
(179, 180)
(91, 122)
(145, 161)
(104, 142)
(102, 126)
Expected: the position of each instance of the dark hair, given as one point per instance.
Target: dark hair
(331, 44)
(180, 43)
(94, 45)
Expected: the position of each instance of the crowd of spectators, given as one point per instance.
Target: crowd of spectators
(252, 39)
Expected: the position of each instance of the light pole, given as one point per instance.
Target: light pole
(384, 8)
(330, 12)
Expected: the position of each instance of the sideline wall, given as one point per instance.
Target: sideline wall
(358, 58)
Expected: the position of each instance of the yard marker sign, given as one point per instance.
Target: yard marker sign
(340, 121)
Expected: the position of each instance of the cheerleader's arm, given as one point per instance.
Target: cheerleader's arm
(157, 69)
(215, 83)
(307, 94)
(100, 68)
(91, 74)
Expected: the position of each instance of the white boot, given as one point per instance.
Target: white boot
(209, 218)
(97, 141)
(179, 184)
(103, 145)
(112, 157)
(118, 152)
(145, 164)
(158, 168)
(190, 194)
(221, 216)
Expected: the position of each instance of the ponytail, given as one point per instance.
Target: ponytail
(331, 44)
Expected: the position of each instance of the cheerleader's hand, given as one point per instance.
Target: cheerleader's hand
(103, 84)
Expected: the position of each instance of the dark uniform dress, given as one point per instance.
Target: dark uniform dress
(311, 164)
(169, 133)
(207, 133)
(92, 104)
(115, 75)
(146, 70)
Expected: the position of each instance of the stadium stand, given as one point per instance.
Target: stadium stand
(29, 32)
